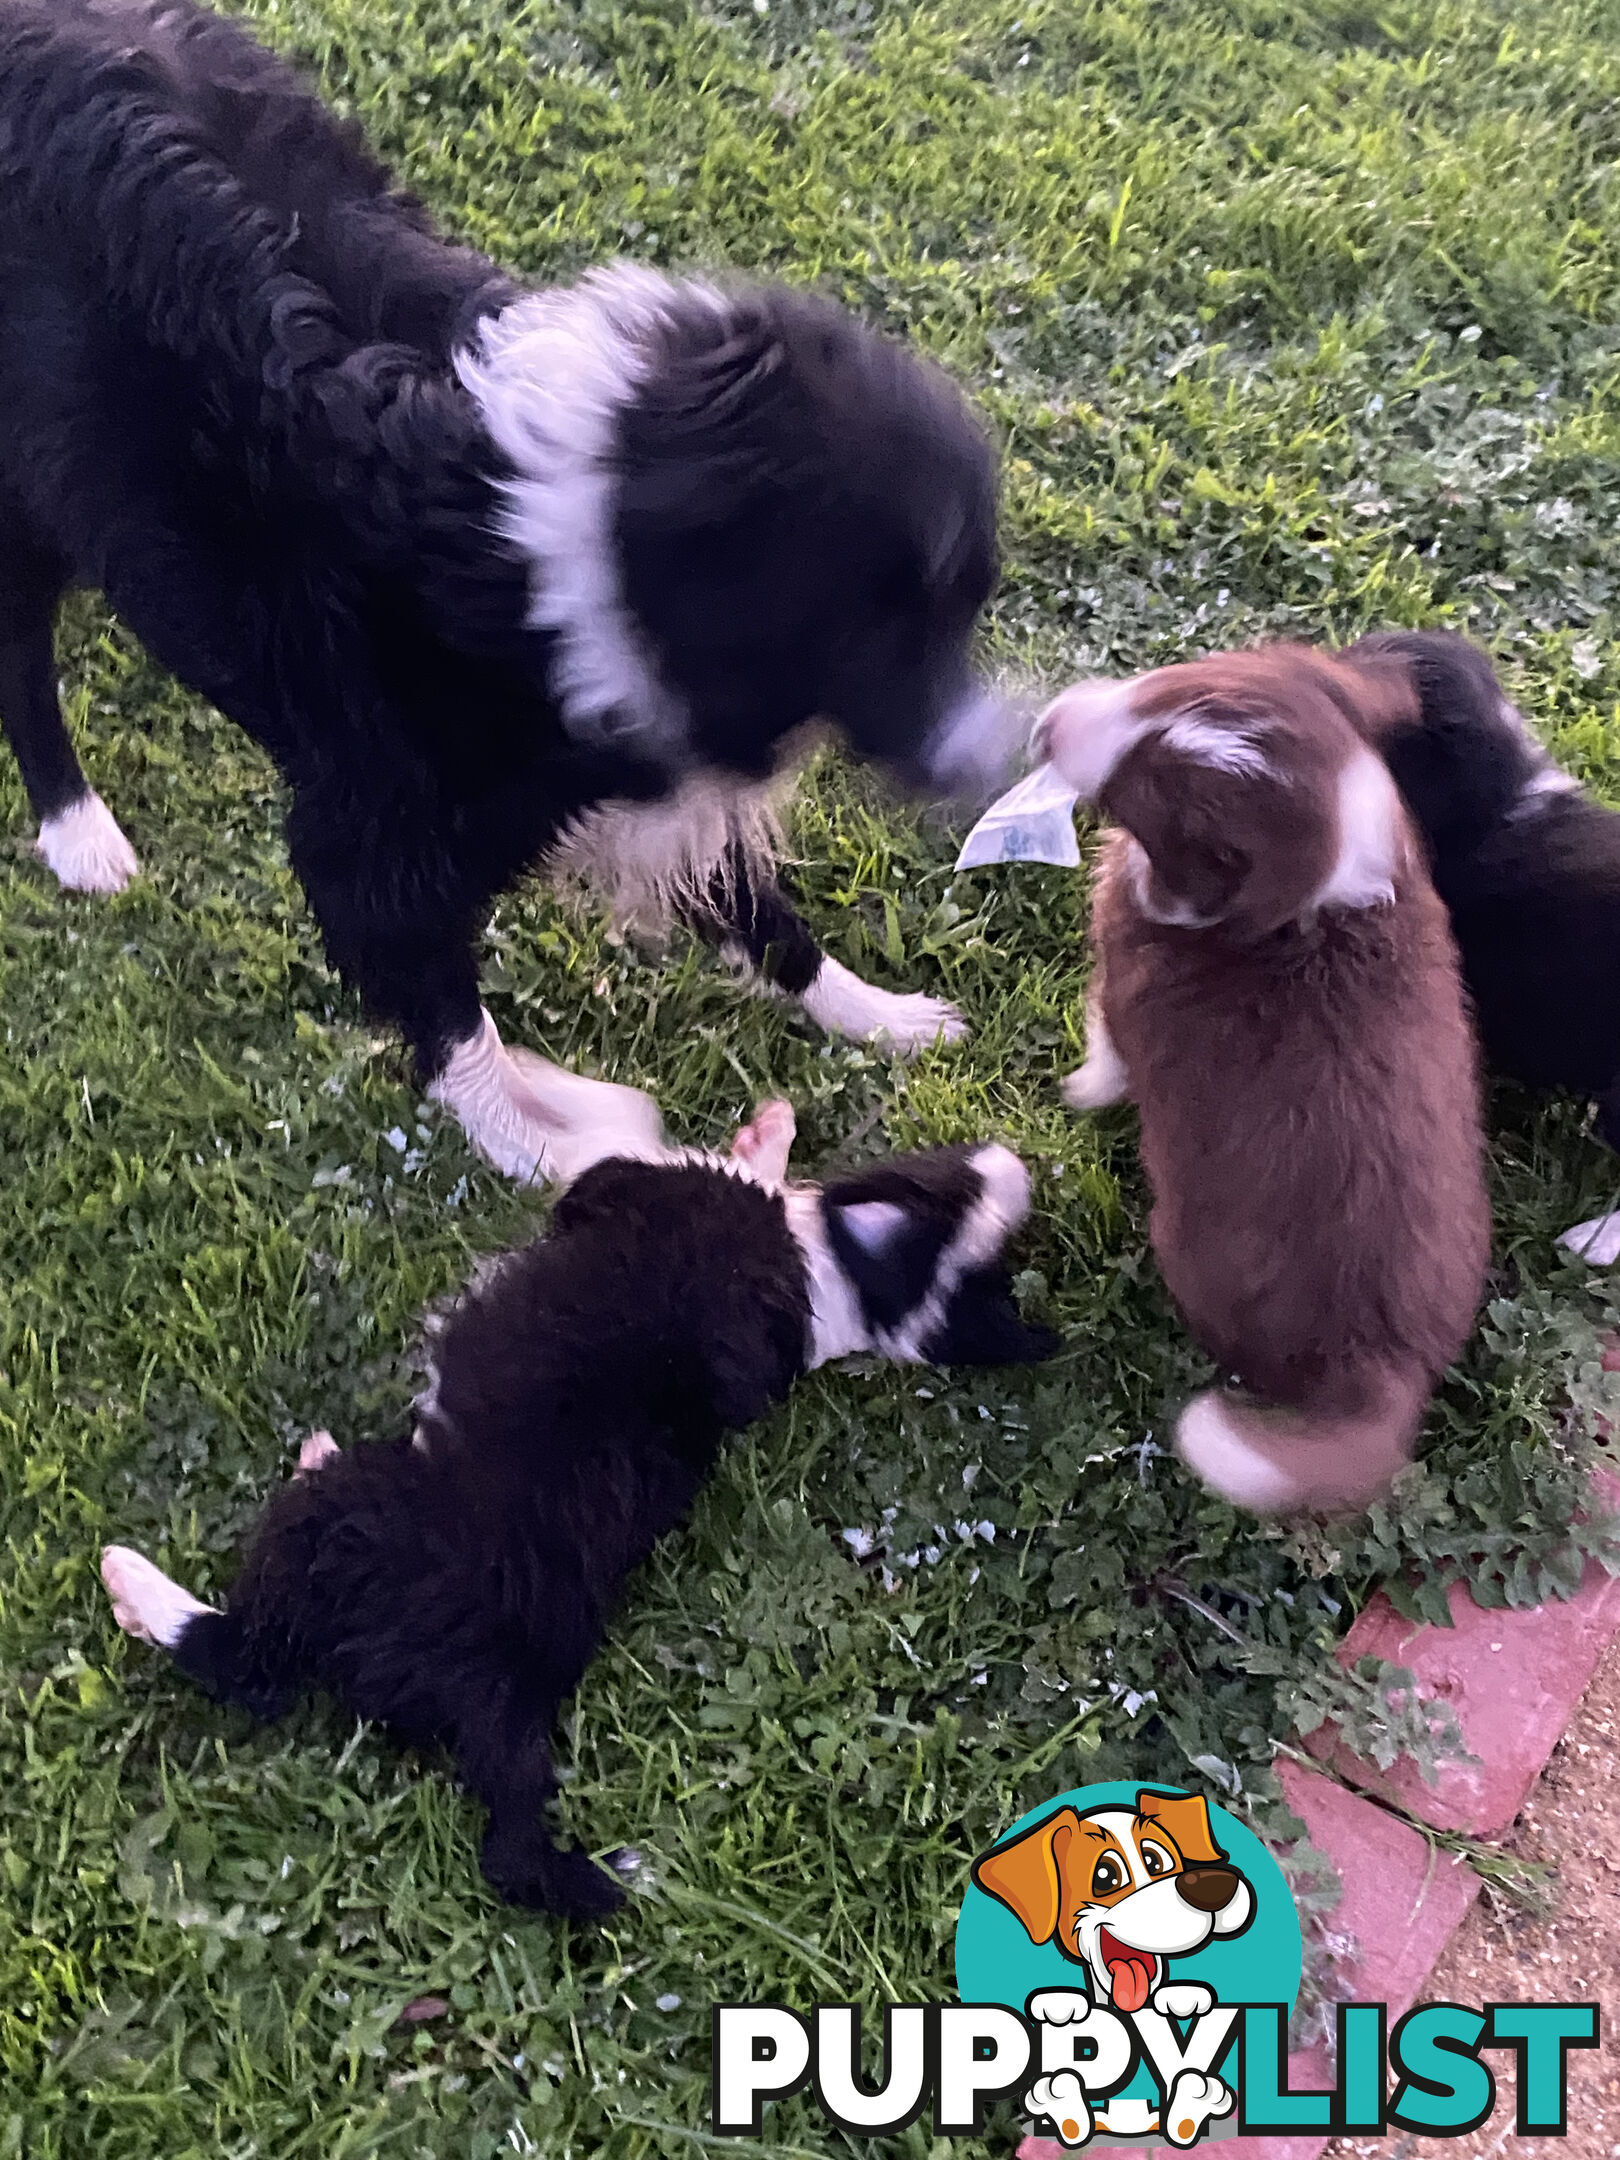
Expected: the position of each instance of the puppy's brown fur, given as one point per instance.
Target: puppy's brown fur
(1280, 988)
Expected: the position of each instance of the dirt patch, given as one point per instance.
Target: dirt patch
(1571, 1825)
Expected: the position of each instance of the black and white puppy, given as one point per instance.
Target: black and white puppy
(1529, 867)
(502, 579)
(455, 1583)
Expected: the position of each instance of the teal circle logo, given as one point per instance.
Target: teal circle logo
(1141, 1901)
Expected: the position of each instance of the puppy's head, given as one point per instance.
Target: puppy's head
(744, 512)
(1245, 781)
(908, 1258)
(1121, 1890)
(1459, 750)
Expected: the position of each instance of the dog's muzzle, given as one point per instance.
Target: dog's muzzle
(971, 753)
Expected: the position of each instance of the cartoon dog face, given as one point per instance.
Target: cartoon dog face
(1121, 1890)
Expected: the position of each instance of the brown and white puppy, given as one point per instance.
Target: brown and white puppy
(1279, 996)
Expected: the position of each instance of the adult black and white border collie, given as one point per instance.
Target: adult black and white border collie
(1529, 867)
(455, 1583)
(498, 577)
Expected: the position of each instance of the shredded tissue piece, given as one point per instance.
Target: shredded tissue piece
(1032, 822)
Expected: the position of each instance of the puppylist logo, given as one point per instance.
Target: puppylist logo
(1128, 1957)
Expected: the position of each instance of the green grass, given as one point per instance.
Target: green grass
(1289, 316)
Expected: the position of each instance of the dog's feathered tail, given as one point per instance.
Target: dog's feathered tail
(1334, 1457)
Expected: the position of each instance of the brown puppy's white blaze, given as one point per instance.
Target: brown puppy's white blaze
(1277, 990)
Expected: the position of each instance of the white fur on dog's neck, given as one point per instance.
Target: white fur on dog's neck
(837, 1323)
(551, 375)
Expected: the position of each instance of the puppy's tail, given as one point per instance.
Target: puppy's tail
(1279, 1460)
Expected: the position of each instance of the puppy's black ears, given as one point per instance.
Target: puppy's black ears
(982, 1326)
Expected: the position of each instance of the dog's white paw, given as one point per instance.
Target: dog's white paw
(1060, 2006)
(84, 848)
(844, 1005)
(319, 1448)
(145, 1603)
(535, 1120)
(1184, 1999)
(1197, 2097)
(766, 1141)
(1061, 2101)
(1097, 1085)
(1596, 1242)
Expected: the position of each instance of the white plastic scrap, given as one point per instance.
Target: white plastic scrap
(1032, 822)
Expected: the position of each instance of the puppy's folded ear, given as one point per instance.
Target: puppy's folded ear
(1180, 815)
(1185, 1818)
(1027, 1875)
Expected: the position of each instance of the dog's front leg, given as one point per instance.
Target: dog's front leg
(747, 914)
(1102, 1080)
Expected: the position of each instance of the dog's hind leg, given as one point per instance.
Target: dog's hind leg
(503, 1752)
(224, 1652)
(78, 835)
(747, 914)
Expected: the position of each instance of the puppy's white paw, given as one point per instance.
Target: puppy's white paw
(1097, 1085)
(1596, 1242)
(766, 1141)
(1061, 2101)
(84, 848)
(1102, 1080)
(1197, 2097)
(844, 1005)
(1060, 2006)
(1184, 1999)
(145, 1603)
(319, 1448)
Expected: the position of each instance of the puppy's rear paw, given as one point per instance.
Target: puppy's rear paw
(319, 1448)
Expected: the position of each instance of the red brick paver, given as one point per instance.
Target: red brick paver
(1512, 1679)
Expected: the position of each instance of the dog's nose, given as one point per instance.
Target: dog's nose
(1208, 1889)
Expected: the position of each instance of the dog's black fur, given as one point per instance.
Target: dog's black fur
(228, 398)
(456, 1586)
(1527, 864)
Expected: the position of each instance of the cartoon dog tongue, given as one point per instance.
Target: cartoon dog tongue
(1130, 1972)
